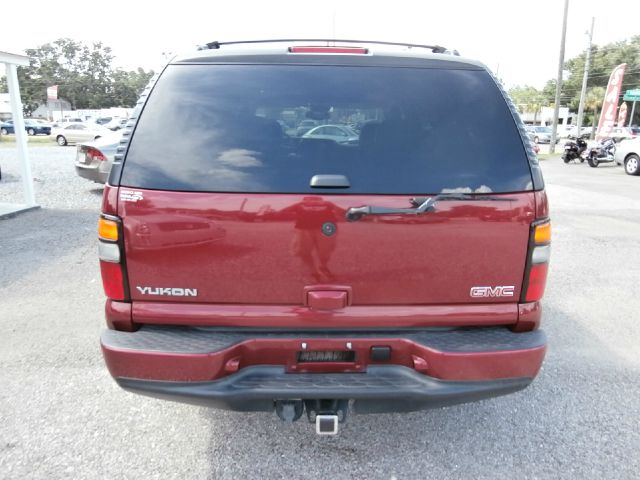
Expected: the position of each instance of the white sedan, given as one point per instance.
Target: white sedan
(338, 133)
(628, 155)
(79, 132)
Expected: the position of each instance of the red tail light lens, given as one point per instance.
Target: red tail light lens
(537, 282)
(112, 280)
(111, 253)
(538, 262)
(95, 154)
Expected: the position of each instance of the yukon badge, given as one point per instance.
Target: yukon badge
(169, 291)
(498, 291)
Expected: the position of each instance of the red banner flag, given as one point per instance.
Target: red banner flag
(610, 103)
(52, 92)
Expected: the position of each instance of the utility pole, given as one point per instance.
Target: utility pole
(583, 92)
(556, 109)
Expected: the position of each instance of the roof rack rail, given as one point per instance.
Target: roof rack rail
(434, 48)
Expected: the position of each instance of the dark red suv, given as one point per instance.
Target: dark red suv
(390, 259)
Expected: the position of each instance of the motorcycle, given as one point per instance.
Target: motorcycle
(601, 153)
(574, 150)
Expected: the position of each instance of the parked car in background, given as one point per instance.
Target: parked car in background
(35, 127)
(563, 130)
(32, 127)
(94, 159)
(540, 134)
(6, 128)
(305, 126)
(78, 132)
(628, 155)
(338, 133)
(66, 121)
(622, 133)
(112, 123)
(585, 132)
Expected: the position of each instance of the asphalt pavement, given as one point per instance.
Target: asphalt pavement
(61, 415)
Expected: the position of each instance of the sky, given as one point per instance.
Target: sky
(519, 40)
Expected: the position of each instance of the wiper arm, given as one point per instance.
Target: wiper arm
(421, 205)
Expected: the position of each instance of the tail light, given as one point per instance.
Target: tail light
(95, 154)
(110, 251)
(347, 50)
(538, 261)
(88, 154)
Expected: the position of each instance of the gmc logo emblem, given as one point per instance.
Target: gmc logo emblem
(498, 291)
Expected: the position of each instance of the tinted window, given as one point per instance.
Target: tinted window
(238, 129)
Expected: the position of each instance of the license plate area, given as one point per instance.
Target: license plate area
(327, 356)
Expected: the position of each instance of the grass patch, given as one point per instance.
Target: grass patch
(10, 140)
(34, 139)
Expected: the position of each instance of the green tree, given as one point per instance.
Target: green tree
(127, 86)
(592, 103)
(528, 100)
(84, 74)
(603, 60)
(80, 71)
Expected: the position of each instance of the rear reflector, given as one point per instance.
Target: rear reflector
(350, 50)
(107, 229)
(112, 280)
(537, 282)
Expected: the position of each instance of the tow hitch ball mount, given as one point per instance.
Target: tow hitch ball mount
(326, 414)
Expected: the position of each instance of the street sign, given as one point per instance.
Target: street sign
(632, 95)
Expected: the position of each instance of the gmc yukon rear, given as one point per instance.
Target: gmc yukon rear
(390, 259)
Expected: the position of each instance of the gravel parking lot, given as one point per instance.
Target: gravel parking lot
(62, 416)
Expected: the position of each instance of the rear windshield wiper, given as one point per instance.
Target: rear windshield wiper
(421, 205)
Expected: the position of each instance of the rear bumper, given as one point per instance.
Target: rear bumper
(383, 388)
(92, 172)
(248, 371)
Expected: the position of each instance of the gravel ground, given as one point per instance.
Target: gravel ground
(63, 417)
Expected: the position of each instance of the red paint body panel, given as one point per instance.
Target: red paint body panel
(110, 200)
(118, 315)
(279, 316)
(265, 249)
(542, 204)
(529, 317)
(203, 367)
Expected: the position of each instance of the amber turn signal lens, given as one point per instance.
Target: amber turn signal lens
(543, 233)
(107, 229)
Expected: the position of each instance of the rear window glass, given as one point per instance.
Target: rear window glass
(271, 128)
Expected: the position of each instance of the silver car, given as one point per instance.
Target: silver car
(628, 155)
(94, 159)
(338, 133)
(540, 134)
(78, 132)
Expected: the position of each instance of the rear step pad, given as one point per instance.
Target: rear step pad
(389, 388)
(202, 340)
